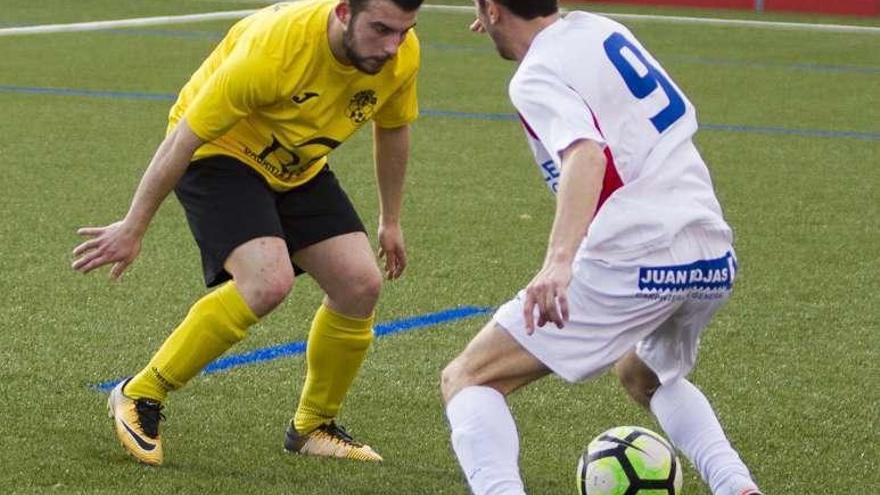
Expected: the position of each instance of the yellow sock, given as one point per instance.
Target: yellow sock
(213, 325)
(336, 348)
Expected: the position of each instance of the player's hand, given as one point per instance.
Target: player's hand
(115, 244)
(547, 292)
(477, 27)
(391, 248)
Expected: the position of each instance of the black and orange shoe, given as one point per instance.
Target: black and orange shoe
(137, 425)
(329, 440)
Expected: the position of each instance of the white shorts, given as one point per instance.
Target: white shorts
(659, 303)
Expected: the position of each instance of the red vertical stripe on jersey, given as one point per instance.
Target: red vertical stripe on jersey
(611, 181)
(528, 128)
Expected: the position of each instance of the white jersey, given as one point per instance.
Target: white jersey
(587, 77)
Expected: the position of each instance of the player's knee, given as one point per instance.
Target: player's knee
(278, 287)
(359, 294)
(274, 290)
(267, 291)
(369, 287)
(453, 378)
(637, 379)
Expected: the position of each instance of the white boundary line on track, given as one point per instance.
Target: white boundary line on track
(237, 14)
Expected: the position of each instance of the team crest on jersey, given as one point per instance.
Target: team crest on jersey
(707, 275)
(360, 108)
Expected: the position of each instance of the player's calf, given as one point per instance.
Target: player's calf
(493, 359)
(639, 381)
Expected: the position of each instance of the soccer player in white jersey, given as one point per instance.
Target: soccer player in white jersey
(611, 134)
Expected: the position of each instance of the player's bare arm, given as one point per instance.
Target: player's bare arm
(119, 243)
(391, 152)
(583, 167)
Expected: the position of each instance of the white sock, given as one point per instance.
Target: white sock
(689, 421)
(485, 441)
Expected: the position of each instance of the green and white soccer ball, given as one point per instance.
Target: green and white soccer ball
(629, 460)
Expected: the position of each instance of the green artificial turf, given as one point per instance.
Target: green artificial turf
(790, 364)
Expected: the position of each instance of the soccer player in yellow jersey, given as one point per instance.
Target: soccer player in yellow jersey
(246, 154)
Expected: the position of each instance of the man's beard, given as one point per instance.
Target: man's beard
(502, 49)
(505, 55)
(368, 65)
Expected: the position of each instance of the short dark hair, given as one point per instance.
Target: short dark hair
(528, 9)
(405, 5)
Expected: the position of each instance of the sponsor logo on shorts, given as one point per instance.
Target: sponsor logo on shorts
(703, 275)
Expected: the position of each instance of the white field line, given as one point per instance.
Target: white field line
(237, 14)
(790, 26)
(122, 23)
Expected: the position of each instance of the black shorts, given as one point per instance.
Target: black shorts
(227, 203)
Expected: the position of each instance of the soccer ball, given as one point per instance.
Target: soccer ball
(629, 460)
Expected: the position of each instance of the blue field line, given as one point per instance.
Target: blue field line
(805, 67)
(272, 353)
(818, 133)
(490, 116)
(467, 115)
(821, 133)
(122, 95)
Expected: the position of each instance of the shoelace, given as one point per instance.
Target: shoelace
(338, 433)
(149, 414)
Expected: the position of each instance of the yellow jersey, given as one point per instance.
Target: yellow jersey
(274, 96)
